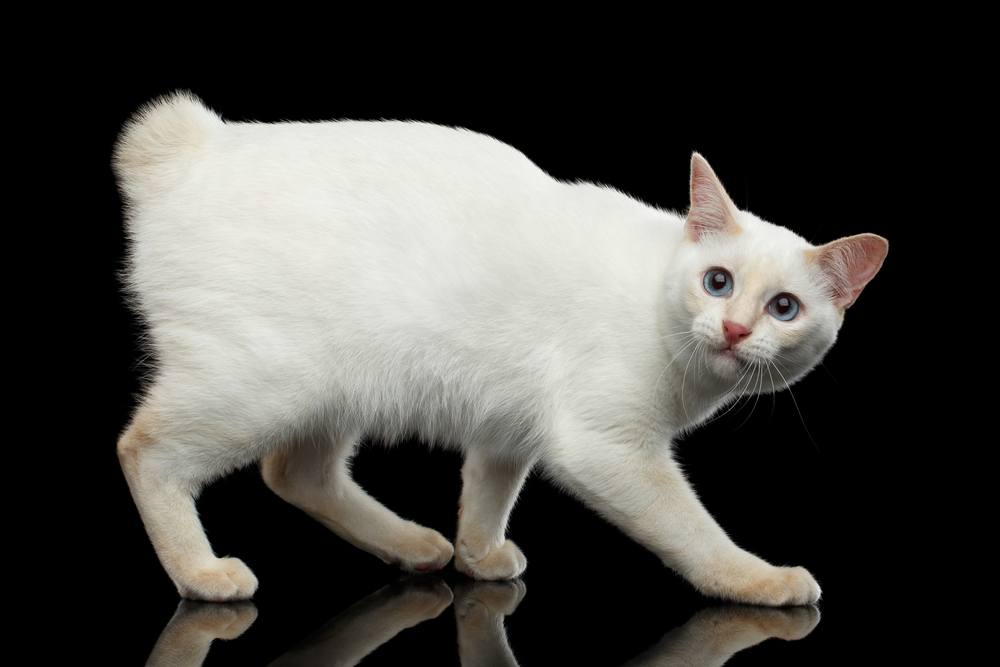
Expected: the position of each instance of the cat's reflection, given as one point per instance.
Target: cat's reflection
(713, 635)
(363, 627)
(710, 637)
(194, 626)
(480, 608)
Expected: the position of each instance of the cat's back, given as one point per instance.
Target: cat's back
(395, 211)
(386, 205)
(175, 148)
(380, 201)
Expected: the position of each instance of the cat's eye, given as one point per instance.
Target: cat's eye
(718, 282)
(783, 307)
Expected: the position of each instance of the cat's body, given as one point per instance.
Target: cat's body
(305, 284)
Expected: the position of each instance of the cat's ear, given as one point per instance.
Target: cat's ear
(712, 211)
(848, 264)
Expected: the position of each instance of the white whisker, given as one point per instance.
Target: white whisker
(743, 376)
(774, 400)
(687, 344)
(684, 379)
(760, 379)
(796, 404)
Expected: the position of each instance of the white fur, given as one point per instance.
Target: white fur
(305, 284)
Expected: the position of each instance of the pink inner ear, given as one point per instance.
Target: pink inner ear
(712, 210)
(850, 263)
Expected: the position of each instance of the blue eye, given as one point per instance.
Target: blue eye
(718, 282)
(783, 307)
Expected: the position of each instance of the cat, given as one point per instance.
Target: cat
(307, 284)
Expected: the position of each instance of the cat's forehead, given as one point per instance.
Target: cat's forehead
(759, 232)
(771, 252)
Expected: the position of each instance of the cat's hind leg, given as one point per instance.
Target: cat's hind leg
(165, 471)
(490, 486)
(315, 477)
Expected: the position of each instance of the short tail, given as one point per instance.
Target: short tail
(159, 133)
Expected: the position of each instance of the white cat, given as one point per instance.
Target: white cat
(305, 284)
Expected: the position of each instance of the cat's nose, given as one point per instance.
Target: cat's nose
(734, 332)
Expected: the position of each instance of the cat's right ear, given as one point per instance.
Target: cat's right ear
(712, 211)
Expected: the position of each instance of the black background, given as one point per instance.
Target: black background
(825, 481)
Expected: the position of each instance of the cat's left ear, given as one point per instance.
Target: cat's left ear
(848, 264)
(712, 211)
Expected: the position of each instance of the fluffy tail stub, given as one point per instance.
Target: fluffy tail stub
(157, 137)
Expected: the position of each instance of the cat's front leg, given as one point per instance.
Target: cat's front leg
(490, 485)
(641, 489)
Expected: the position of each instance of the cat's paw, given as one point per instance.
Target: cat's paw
(420, 549)
(779, 587)
(224, 580)
(503, 562)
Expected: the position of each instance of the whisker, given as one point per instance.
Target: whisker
(796, 404)
(745, 394)
(760, 380)
(774, 400)
(684, 379)
(827, 370)
(744, 376)
(678, 333)
(656, 385)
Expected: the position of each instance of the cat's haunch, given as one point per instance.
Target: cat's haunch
(307, 284)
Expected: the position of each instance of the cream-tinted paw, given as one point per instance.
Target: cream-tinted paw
(219, 621)
(503, 562)
(780, 587)
(223, 580)
(420, 549)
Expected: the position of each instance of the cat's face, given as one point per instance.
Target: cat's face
(759, 305)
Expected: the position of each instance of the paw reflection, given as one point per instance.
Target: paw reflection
(711, 637)
(480, 607)
(363, 627)
(195, 625)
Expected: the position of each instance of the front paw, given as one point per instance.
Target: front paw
(499, 563)
(419, 549)
(766, 585)
(780, 587)
(223, 580)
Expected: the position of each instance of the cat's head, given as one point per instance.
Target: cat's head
(761, 304)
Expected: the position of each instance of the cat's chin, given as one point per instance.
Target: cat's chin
(726, 363)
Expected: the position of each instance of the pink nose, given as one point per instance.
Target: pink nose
(734, 332)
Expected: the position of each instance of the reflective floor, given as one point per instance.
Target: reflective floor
(410, 613)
